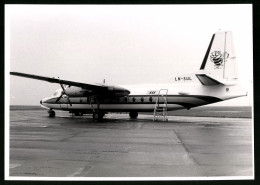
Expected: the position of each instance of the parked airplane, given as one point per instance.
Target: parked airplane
(217, 80)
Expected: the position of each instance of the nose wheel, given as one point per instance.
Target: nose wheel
(51, 113)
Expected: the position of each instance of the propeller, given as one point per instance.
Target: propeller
(62, 93)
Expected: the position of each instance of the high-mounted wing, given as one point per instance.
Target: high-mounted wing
(92, 88)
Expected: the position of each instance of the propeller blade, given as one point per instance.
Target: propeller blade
(64, 92)
(63, 88)
(69, 100)
(58, 99)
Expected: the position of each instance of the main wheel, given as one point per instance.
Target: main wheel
(98, 115)
(133, 115)
(51, 113)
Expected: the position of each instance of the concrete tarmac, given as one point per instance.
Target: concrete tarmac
(70, 146)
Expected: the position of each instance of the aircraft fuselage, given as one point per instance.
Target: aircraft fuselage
(143, 98)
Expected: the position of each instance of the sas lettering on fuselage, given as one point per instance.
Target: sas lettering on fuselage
(151, 92)
(188, 78)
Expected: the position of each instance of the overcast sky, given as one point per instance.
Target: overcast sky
(125, 44)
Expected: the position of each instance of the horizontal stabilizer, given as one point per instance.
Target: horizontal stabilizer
(206, 80)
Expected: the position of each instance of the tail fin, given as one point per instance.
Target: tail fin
(219, 66)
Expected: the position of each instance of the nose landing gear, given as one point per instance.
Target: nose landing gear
(51, 113)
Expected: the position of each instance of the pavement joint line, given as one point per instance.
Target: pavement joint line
(185, 147)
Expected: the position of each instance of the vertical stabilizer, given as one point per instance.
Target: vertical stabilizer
(219, 61)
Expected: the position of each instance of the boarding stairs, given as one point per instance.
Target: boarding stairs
(160, 107)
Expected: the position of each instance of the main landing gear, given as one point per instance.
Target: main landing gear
(51, 113)
(133, 115)
(98, 115)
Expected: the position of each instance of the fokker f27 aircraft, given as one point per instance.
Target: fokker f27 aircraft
(217, 80)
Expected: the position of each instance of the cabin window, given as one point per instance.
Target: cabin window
(133, 99)
(125, 98)
(142, 99)
(80, 100)
(150, 99)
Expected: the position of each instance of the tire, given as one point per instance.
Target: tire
(133, 115)
(51, 113)
(98, 115)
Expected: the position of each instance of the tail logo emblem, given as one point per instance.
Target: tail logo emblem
(218, 58)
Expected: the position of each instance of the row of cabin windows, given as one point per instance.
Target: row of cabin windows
(126, 99)
(134, 99)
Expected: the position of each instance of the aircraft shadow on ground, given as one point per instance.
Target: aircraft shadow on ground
(89, 120)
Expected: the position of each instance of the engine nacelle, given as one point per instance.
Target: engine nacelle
(76, 91)
(105, 91)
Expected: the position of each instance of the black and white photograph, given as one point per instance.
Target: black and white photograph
(129, 92)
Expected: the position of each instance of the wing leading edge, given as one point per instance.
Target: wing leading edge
(93, 88)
